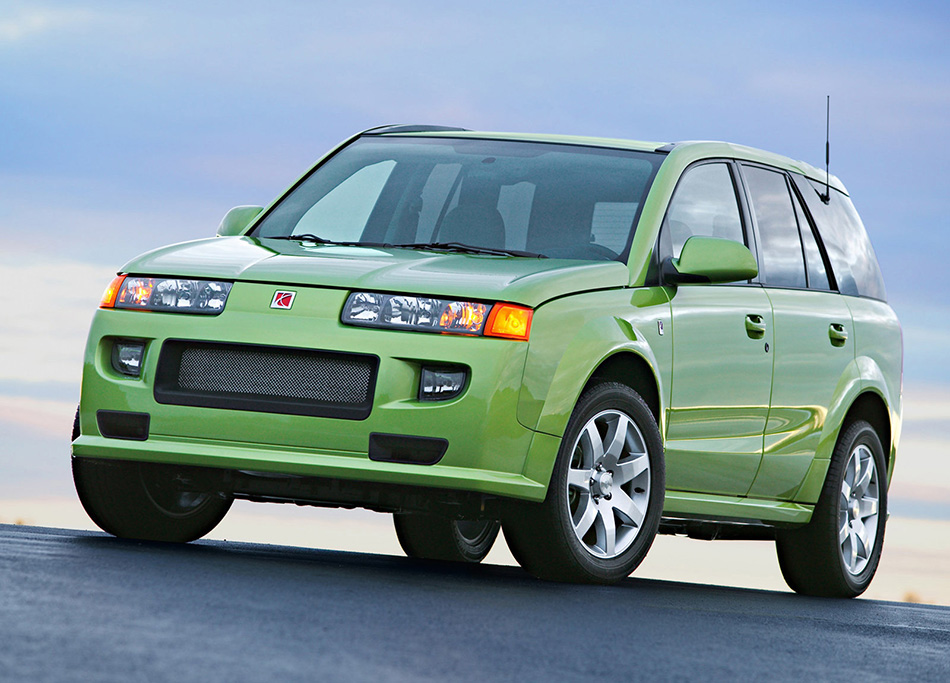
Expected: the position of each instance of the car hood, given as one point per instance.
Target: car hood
(526, 281)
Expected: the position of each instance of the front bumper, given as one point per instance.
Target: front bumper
(488, 452)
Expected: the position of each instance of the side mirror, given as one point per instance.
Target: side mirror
(237, 219)
(710, 259)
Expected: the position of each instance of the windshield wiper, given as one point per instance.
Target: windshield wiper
(462, 248)
(309, 237)
(458, 247)
(303, 237)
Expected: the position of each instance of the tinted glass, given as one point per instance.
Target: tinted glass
(561, 201)
(780, 247)
(846, 241)
(814, 263)
(704, 204)
(346, 208)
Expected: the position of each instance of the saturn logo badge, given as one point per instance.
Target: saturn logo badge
(283, 299)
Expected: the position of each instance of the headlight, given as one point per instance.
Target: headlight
(427, 314)
(166, 294)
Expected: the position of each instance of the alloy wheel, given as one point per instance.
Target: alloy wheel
(858, 510)
(608, 484)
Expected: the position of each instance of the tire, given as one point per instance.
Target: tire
(146, 501)
(76, 425)
(837, 553)
(431, 537)
(605, 499)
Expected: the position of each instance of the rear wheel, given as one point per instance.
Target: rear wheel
(605, 499)
(431, 537)
(147, 501)
(837, 553)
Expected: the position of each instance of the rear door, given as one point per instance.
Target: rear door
(813, 332)
(722, 370)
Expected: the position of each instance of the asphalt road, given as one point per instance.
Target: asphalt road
(79, 606)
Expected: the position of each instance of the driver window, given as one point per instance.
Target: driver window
(704, 204)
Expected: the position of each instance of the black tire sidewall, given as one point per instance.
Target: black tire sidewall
(859, 433)
(426, 536)
(810, 557)
(609, 396)
(475, 551)
(115, 497)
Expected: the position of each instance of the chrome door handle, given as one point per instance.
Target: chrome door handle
(838, 334)
(755, 326)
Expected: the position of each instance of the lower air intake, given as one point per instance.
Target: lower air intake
(268, 379)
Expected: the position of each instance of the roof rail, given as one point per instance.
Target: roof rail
(666, 148)
(411, 128)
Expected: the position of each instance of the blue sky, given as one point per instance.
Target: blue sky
(128, 125)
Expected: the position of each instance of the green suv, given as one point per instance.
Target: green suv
(585, 341)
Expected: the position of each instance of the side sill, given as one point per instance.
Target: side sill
(731, 509)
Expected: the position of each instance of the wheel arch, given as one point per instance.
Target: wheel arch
(608, 350)
(631, 369)
(870, 407)
(628, 361)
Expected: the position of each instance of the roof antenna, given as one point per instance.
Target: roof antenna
(826, 197)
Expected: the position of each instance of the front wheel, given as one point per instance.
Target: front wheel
(605, 499)
(147, 501)
(837, 553)
(433, 537)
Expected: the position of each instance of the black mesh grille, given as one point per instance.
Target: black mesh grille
(267, 379)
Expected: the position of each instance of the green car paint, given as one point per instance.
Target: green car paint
(749, 384)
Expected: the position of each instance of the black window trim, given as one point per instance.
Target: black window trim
(810, 223)
(801, 182)
(791, 188)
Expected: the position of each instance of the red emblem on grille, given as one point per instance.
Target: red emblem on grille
(283, 299)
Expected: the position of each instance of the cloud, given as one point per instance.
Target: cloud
(29, 22)
(47, 306)
(37, 415)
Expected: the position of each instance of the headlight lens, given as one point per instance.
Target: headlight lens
(415, 313)
(427, 314)
(167, 294)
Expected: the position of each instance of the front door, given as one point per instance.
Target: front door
(722, 376)
(722, 335)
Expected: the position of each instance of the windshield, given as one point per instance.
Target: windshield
(559, 201)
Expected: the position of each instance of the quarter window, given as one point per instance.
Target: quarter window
(849, 250)
(783, 262)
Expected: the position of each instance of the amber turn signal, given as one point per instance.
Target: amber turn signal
(108, 296)
(509, 321)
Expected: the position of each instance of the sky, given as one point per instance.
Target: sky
(125, 126)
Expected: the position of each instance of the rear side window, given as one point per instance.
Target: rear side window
(814, 262)
(780, 249)
(704, 204)
(852, 257)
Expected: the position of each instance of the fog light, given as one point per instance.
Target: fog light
(441, 384)
(127, 357)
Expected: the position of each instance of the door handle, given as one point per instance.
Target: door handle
(838, 334)
(755, 326)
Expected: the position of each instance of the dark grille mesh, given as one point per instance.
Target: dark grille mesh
(268, 379)
(285, 374)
